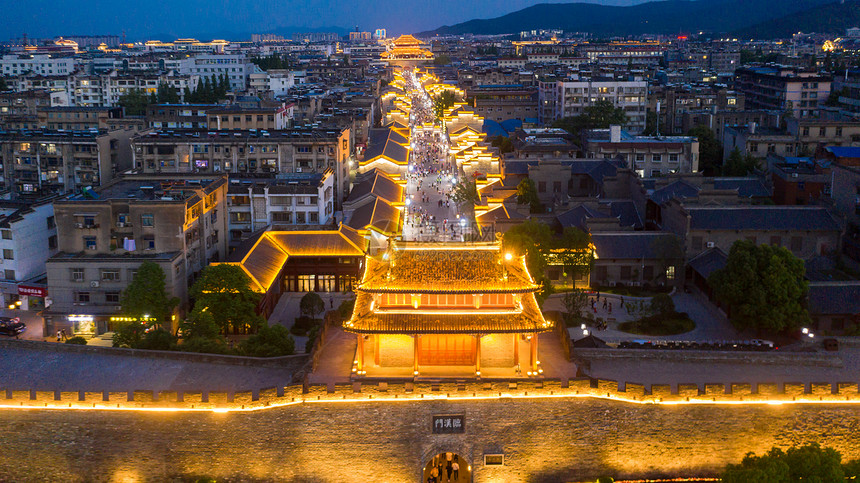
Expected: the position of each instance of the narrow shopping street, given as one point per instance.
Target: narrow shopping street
(432, 214)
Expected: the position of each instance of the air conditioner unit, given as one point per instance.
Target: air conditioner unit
(94, 284)
(794, 175)
(79, 225)
(117, 307)
(91, 247)
(711, 245)
(298, 170)
(120, 224)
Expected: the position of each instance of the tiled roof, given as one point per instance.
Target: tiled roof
(678, 190)
(378, 215)
(709, 261)
(787, 218)
(834, 298)
(427, 268)
(377, 183)
(627, 244)
(747, 187)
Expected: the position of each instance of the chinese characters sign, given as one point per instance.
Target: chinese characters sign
(449, 424)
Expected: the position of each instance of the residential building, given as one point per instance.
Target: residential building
(28, 237)
(178, 116)
(649, 156)
(292, 199)
(13, 65)
(569, 98)
(77, 118)
(39, 163)
(103, 238)
(247, 153)
(782, 88)
(500, 103)
(236, 67)
(635, 258)
(677, 100)
(798, 180)
(237, 117)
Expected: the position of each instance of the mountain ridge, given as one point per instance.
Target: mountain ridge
(658, 17)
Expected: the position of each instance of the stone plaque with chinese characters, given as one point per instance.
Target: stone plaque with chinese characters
(449, 424)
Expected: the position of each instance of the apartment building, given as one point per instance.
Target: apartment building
(179, 224)
(77, 118)
(569, 98)
(783, 88)
(500, 103)
(236, 67)
(237, 117)
(12, 65)
(39, 163)
(248, 153)
(649, 156)
(291, 200)
(178, 116)
(801, 137)
(28, 237)
(677, 100)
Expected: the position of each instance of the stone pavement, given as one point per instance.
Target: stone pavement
(287, 310)
(335, 363)
(38, 366)
(711, 323)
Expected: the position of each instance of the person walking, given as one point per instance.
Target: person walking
(449, 469)
(456, 467)
(59, 335)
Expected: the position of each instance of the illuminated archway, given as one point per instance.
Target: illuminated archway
(443, 465)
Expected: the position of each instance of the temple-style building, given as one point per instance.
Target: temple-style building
(446, 309)
(406, 51)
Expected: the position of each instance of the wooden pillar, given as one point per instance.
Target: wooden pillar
(360, 357)
(415, 356)
(478, 354)
(533, 355)
(516, 350)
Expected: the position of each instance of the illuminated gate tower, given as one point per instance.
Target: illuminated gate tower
(436, 310)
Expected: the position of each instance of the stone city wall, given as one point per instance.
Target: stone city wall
(542, 440)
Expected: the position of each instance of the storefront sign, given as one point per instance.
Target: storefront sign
(449, 424)
(494, 460)
(32, 291)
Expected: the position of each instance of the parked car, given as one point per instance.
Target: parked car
(11, 326)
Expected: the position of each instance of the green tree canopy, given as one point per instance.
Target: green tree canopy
(443, 101)
(273, 61)
(269, 342)
(739, 164)
(146, 295)
(442, 59)
(805, 463)
(599, 115)
(466, 193)
(224, 290)
(167, 94)
(527, 195)
(311, 305)
(710, 150)
(503, 143)
(764, 286)
(134, 102)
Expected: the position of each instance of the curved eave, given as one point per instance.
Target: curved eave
(447, 331)
(449, 291)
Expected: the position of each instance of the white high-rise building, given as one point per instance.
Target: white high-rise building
(13, 65)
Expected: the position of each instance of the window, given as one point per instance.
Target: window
(147, 219)
(131, 273)
(149, 242)
(670, 272)
(556, 186)
(8, 254)
(838, 131)
(673, 158)
(77, 274)
(656, 158)
(822, 131)
(52, 242)
(640, 157)
(90, 242)
(753, 147)
(110, 275)
(806, 131)
(82, 297)
(111, 297)
(796, 243)
(7, 234)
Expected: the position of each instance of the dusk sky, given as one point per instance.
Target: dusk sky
(220, 18)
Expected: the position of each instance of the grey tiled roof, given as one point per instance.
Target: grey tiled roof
(627, 245)
(709, 261)
(761, 218)
(834, 298)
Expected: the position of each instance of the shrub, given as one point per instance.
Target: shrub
(77, 340)
(205, 346)
(269, 342)
(312, 304)
(345, 308)
(662, 304)
(157, 340)
(669, 323)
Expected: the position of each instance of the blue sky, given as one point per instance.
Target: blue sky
(199, 18)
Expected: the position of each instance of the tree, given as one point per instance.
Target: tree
(599, 115)
(167, 94)
(443, 101)
(806, 463)
(574, 303)
(157, 340)
(764, 287)
(224, 290)
(312, 305)
(269, 342)
(652, 125)
(442, 60)
(740, 165)
(466, 193)
(527, 195)
(200, 324)
(710, 150)
(573, 251)
(662, 304)
(134, 102)
(146, 297)
(128, 334)
(504, 144)
(3, 85)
